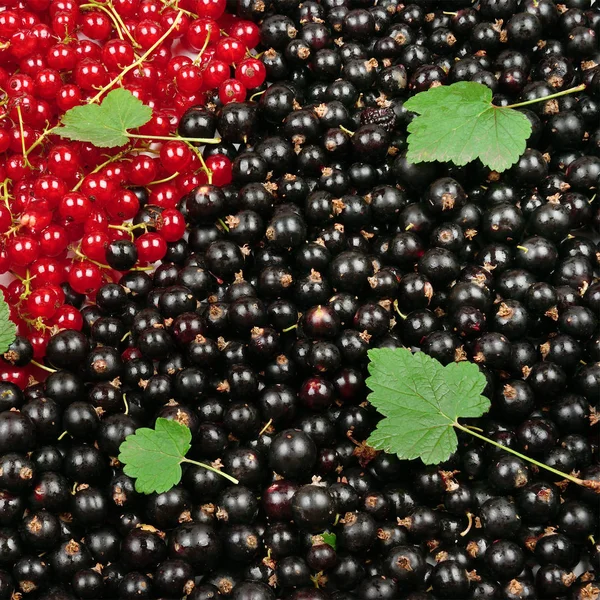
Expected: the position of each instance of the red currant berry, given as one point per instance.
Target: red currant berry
(188, 79)
(147, 33)
(19, 84)
(22, 250)
(232, 90)
(246, 31)
(201, 29)
(53, 240)
(151, 247)
(90, 74)
(164, 195)
(35, 221)
(41, 303)
(96, 25)
(142, 170)
(50, 188)
(172, 225)
(212, 9)
(97, 221)
(75, 207)
(46, 271)
(117, 54)
(230, 50)
(4, 140)
(85, 277)
(39, 340)
(63, 162)
(221, 169)
(67, 97)
(98, 188)
(216, 73)
(12, 374)
(47, 83)
(62, 57)
(251, 72)
(94, 245)
(175, 156)
(5, 218)
(123, 205)
(67, 317)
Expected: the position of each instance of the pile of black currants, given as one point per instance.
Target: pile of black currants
(254, 332)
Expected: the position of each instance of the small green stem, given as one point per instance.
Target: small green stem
(138, 62)
(170, 138)
(347, 131)
(290, 328)
(595, 485)
(223, 225)
(267, 425)
(205, 466)
(99, 168)
(574, 90)
(169, 178)
(523, 249)
(62, 435)
(126, 404)
(35, 363)
(37, 142)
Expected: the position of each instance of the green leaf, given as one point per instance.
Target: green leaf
(421, 400)
(330, 539)
(154, 456)
(8, 330)
(458, 123)
(105, 125)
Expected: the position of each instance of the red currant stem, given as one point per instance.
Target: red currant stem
(176, 6)
(149, 268)
(572, 90)
(122, 24)
(350, 133)
(37, 142)
(26, 282)
(223, 225)
(12, 230)
(138, 136)
(5, 194)
(595, 485)
(100, 167)
(169, 178)
(337, 519)
(108, 12)
(197, 152)
(27, 163)
(35, 363)
(210, 468)
(126, 405)
(62, 435)
(79, 254)
(267, 425)
(198, 58)
(137, 62)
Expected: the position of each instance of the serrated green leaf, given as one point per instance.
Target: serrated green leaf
(8, 330)
(458, 123)
(153, 456)
(330, 539)
(420, 400)
(105, 125)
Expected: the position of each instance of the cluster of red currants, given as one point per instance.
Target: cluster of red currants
(66, 208)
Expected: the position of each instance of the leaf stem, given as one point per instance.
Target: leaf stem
(169, 138)
(205, 466)
(139, 61)
(573, 90)
(594, 485)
